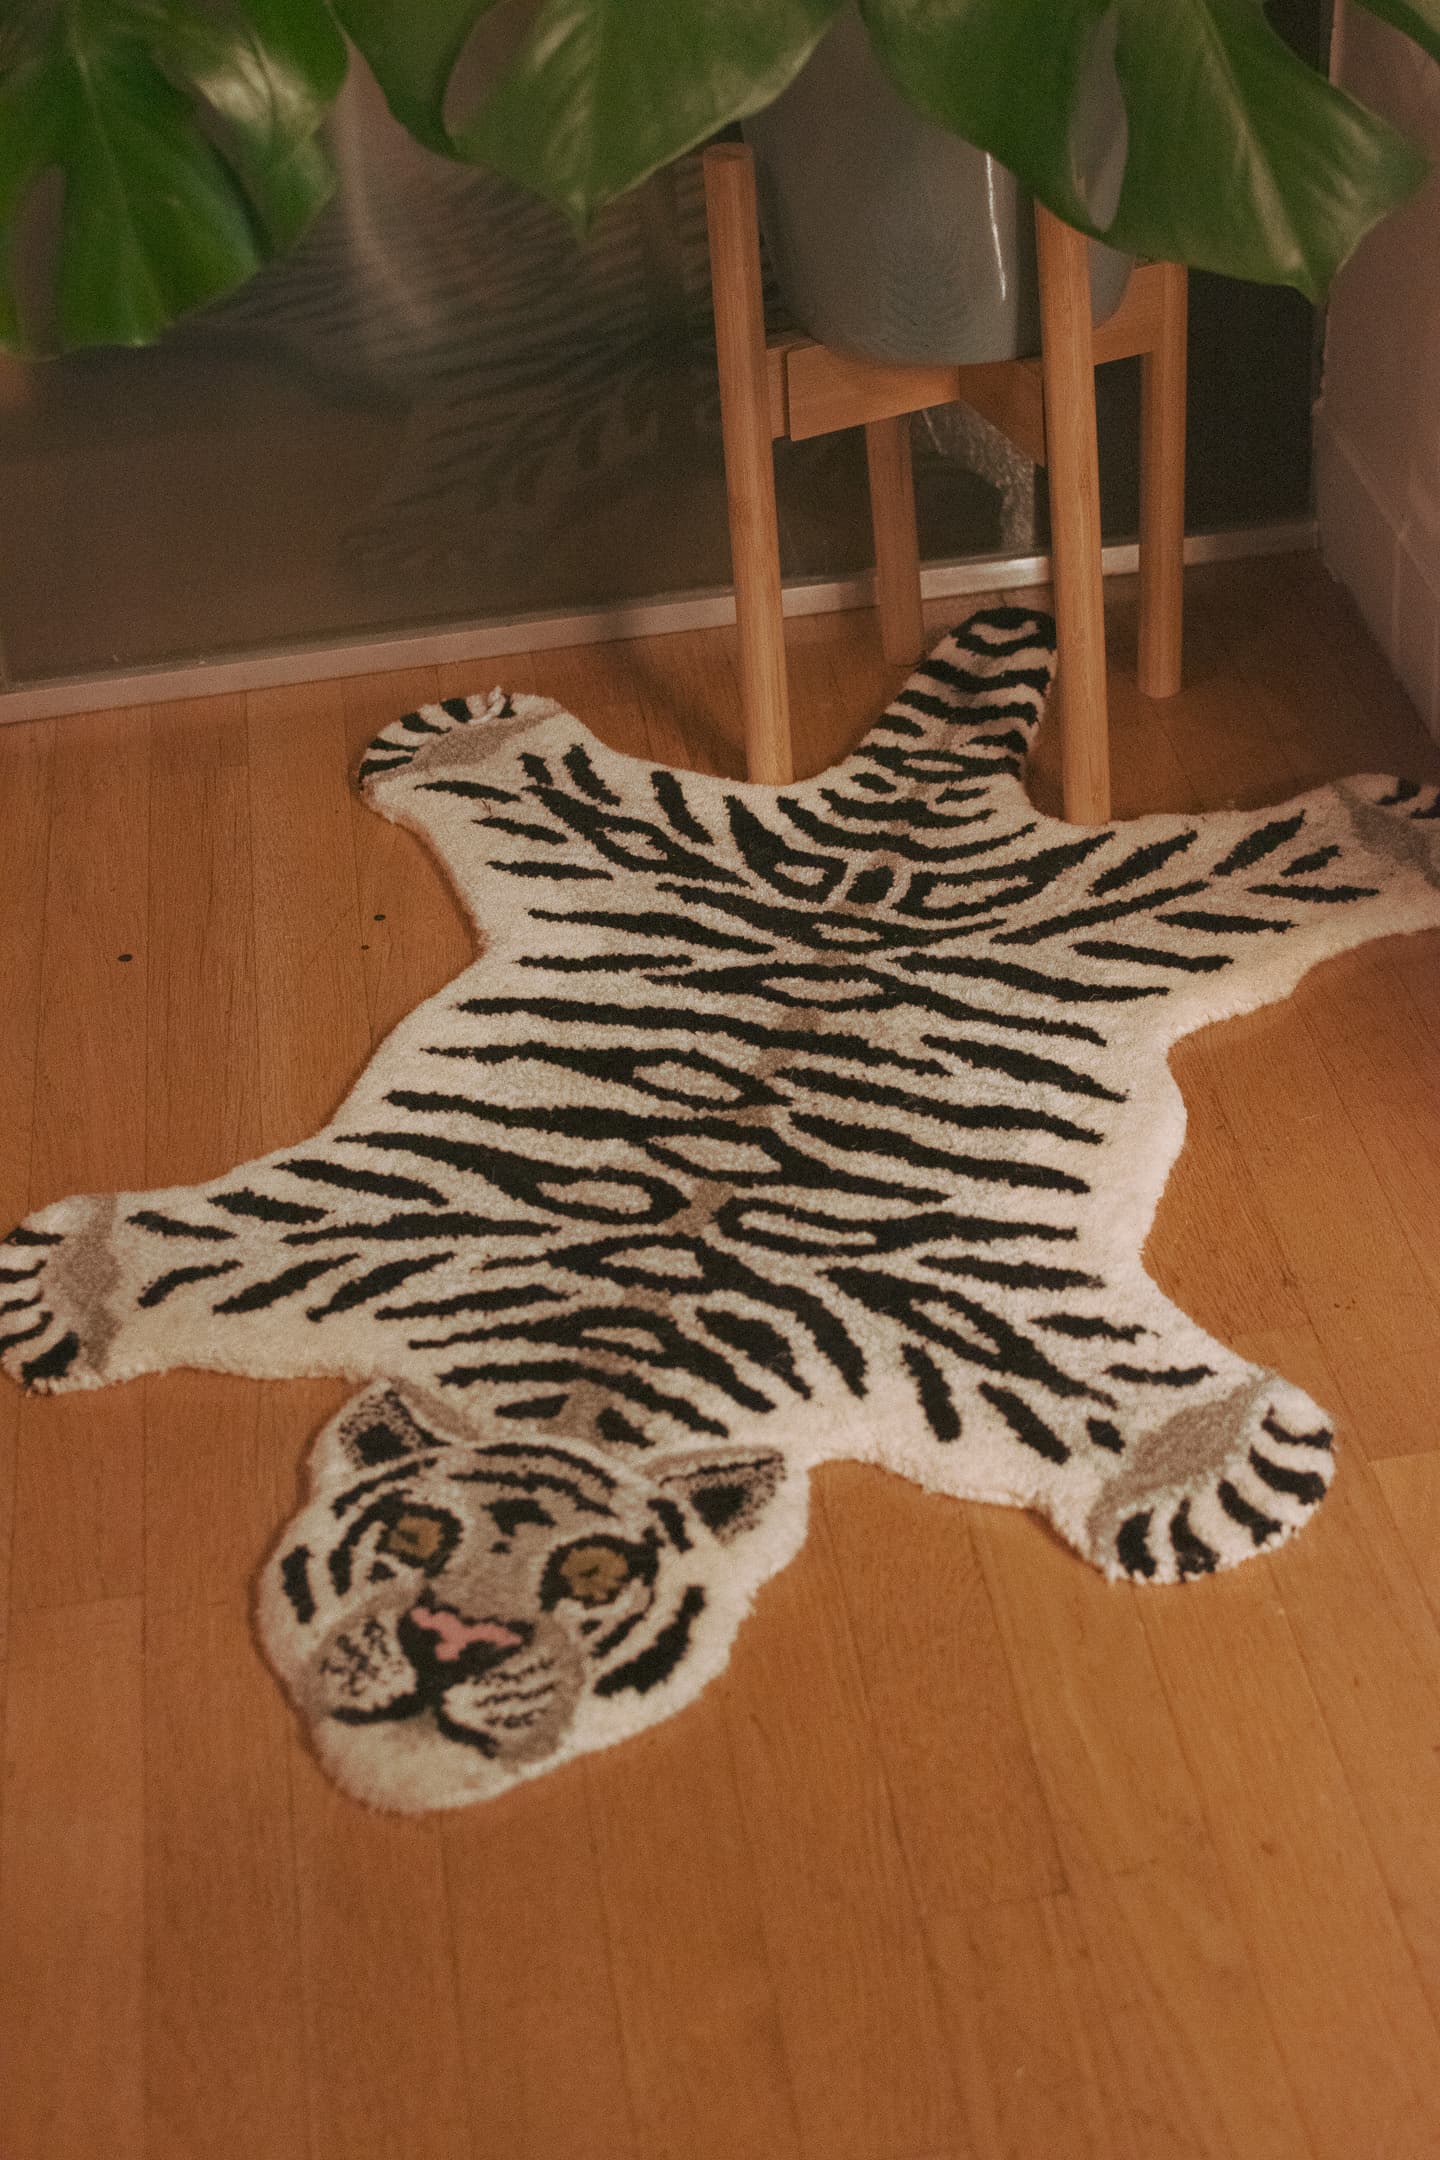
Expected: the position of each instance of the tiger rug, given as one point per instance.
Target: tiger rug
(771, 1127)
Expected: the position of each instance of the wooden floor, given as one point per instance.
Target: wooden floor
(968, 1854)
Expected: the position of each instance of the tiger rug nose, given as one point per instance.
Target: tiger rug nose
(441, 1642)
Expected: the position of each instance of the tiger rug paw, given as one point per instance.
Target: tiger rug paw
(772, 1127)
(450, 1614)
(55, 1273)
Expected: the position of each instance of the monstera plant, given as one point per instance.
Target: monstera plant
(186, 134)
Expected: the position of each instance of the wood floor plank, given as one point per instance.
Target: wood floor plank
(1185, 2056)
(80, 1497)
(540, 2026)
(72, 1887)
(1316, 680)
(689, 705)
(840, 683)
(1224, 738)
(700, 2017)
(311, 1015)
(972, 1820)
(1381, 1059)
(1371, 1649)
(1146, 772)
(1372, 1652)
(1213, 1246)
(1022, 2039)
(218, 1484)
(1101, 1731)
(1339, 1235)
(225, 2069)
(78, 1516)
(26, 763)
(1381, 1350)
(1411, 1485)
(940, 1694)
(864, 2031)
(1348, 2012)
(385, 2062)
(9, 1450)
(92, 1077)
(1183, 2006)
(1260, 644)
(1412, 962)
(26, 760)
(203, 1103)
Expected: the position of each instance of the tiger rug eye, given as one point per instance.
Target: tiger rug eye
(771, 1127)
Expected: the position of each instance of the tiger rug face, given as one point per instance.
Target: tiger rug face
(771, 1127)
(450, 1615)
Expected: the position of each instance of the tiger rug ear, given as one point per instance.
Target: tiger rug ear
(729, 1489)
(451, 1612)
(389, 1423)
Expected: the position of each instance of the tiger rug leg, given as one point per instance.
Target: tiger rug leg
(772, 1127)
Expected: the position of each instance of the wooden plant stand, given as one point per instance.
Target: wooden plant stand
(794, 387)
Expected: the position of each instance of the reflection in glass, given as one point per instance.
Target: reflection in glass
(443, 409)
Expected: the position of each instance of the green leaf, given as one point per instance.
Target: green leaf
(1240, 157)
(412, 47)
(1419, 19)
(185, 139)
(604, 91)
(185, 132)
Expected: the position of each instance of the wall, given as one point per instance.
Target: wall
(1377, 435)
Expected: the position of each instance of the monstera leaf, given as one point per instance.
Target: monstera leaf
(601, 92)
(1240, 157)
(185, 139)
(185, 130)
(615, 88)
(413, 47)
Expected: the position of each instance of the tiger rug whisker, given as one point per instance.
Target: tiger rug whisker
(770, 1127)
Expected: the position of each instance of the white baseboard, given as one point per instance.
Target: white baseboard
(370, 655)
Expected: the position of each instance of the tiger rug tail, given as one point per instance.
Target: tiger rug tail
(772, 1127)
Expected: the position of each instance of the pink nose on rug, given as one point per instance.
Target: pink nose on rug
(454, 1635)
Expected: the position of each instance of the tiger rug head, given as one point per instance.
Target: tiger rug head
(453, 1613)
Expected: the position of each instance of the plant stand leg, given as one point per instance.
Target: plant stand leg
(749, 459)
(1162, 492)
(897, 545)
(1069, 370)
